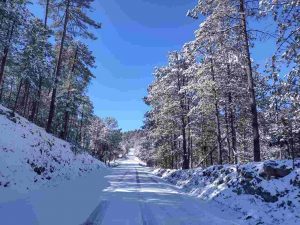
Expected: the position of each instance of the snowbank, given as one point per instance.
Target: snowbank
(31, 158)
(69, 203)
(266, 192)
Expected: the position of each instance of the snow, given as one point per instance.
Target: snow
(68, 203)
(42, 181)
(31, 158)
(126, 194)
(241, 188)
(135, 196)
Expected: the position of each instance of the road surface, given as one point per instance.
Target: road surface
(136, 197)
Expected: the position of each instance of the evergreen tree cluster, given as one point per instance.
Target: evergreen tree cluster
(211, 103)
(46, 68)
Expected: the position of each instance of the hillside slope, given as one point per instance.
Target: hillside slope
(31, 158)
(266, 192)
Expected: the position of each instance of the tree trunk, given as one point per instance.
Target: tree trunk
(46, 13)
(191, 149)
(256, 145)
(26, 97)
(227, 133)
(205, 153)
(10, 94)
(5, 53)
(80, 129)
(3, 63)
(67, 112)
(232, 128)
(66, 125)
(291, 143)
(17, 96)
(189, 142)
(217, 118)
(185, 163)
(185, 157)
(231, 119)
(1, 90)
(24, 94)
(36, 103)
(57, 70)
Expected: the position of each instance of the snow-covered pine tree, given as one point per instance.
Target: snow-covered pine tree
(75, 23)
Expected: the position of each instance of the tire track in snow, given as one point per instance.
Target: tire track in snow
(98, 214)
(181, 208)
(147, 215)
(120, 180)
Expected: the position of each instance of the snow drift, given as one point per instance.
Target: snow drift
(31, 158)
(266, 192)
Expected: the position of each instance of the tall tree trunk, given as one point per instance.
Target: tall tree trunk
(188, 144)
(80, 128)
(172, 152)
(46, 13)
(1, 90)
(36, 103)
(24, 94)
(57, 70)
(232, 128)
(185, 163)
(227, 133)
(174, 142)
(189, 135)
(26, 97)
(231, 120)
(205, 154)
(211, 158)
(2, 67)
(217, 117)
(5, 53)
(66, 124)
(185, 157)
(291, 142)
(67, 112)
(10, 94)
(17, 96)
(191, 149)
(256, 145)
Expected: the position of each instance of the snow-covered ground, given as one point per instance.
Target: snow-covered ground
(128, 194)
(31, 158)
(42, 178)
(43, 182)
(137, 197)
(246, 189)
(68, 203)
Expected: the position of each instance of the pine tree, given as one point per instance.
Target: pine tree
(74, 23)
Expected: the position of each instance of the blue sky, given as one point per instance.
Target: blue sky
(136, 36)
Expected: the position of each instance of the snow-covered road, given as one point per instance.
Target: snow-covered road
(128, 194)
(136, 197)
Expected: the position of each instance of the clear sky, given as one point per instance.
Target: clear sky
(136, 36)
